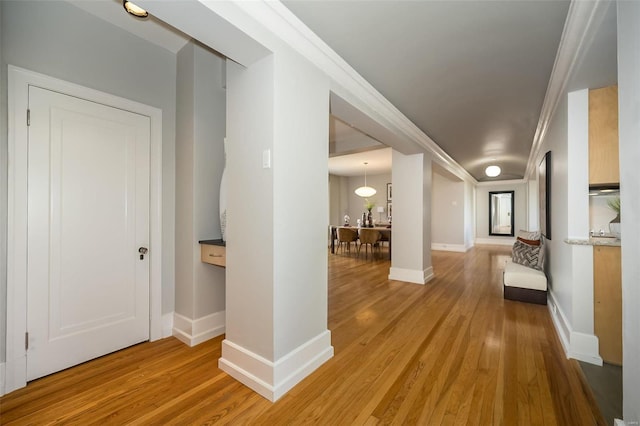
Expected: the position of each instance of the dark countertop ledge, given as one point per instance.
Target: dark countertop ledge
(213, 242)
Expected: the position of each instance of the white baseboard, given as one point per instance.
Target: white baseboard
(194, 332)
(500, 241)
(449, 247)
(167, 325)
(273, 380)
(576, 345)
(2, 378)
(411, 275)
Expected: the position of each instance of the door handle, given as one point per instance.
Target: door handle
(142, 251)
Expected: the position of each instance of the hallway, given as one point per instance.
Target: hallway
(449, 352)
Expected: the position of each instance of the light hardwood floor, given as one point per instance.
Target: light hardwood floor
(450, 352)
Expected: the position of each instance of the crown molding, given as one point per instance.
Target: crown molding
(501, 182)
(579, 29)
(346, 81)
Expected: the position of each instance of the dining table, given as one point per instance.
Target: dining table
(384, 230)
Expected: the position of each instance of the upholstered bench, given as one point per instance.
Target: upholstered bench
(524, 284)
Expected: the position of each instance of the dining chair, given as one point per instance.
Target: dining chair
(347, 236)
(368, 237)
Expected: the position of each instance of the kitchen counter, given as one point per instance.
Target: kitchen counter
(213, 242)
(213, 252)
(594, 241)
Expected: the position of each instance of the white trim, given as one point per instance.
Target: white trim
(273, 380)
(194, 332)
(576, 345)
(167, 325)
(618, 422)
(496, 241)
(511, 182)
(2, 367)
(18, 81)
(579, 28)
(449, 247)
(411, 275)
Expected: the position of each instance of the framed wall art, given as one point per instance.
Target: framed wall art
(544, 194)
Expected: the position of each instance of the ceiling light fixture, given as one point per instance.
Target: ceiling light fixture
(134, 10)
(492, 171)
(365, 191)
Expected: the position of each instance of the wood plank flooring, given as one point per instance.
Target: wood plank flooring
(451, 352)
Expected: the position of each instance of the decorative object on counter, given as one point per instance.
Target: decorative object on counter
(223, 196)
(359, 223)
(389, 211)
(365, 191)
(614, 225)
(347, 219)
(368, 204)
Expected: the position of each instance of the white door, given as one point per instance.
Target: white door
(88, 214)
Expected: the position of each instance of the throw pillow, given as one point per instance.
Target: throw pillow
(541, 256)
(526, 255)
(530, 242)
(529, 235)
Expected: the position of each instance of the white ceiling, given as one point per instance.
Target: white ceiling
(470, 74)
(150, 29)
(353, 164)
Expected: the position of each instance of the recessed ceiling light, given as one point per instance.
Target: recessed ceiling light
(134, 10)
(492, 171)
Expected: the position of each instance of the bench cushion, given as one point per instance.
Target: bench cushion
(516, 275)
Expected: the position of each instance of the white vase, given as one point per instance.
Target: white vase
(223, 196)
(614, 228)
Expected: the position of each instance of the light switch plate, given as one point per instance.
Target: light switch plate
(266, 159)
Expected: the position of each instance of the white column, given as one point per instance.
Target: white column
(583, 343)
(277, 219)
(629, 136)
(411, 241)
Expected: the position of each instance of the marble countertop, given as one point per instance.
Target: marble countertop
(594, 241)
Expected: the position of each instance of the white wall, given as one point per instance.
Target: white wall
(600, 214)
(338, 200)
(276, 301)
(200, 130)
(447, 214)
(249, 100)
(3, 199)
(482, 210)
(60, 40)
(629, 135)
(469, 215)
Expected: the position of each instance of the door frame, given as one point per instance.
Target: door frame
(19, 80)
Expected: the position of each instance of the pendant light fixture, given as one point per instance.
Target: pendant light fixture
(365, 191)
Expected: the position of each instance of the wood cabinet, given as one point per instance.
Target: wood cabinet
(604, 162)
(607, 292)
(213, 252)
